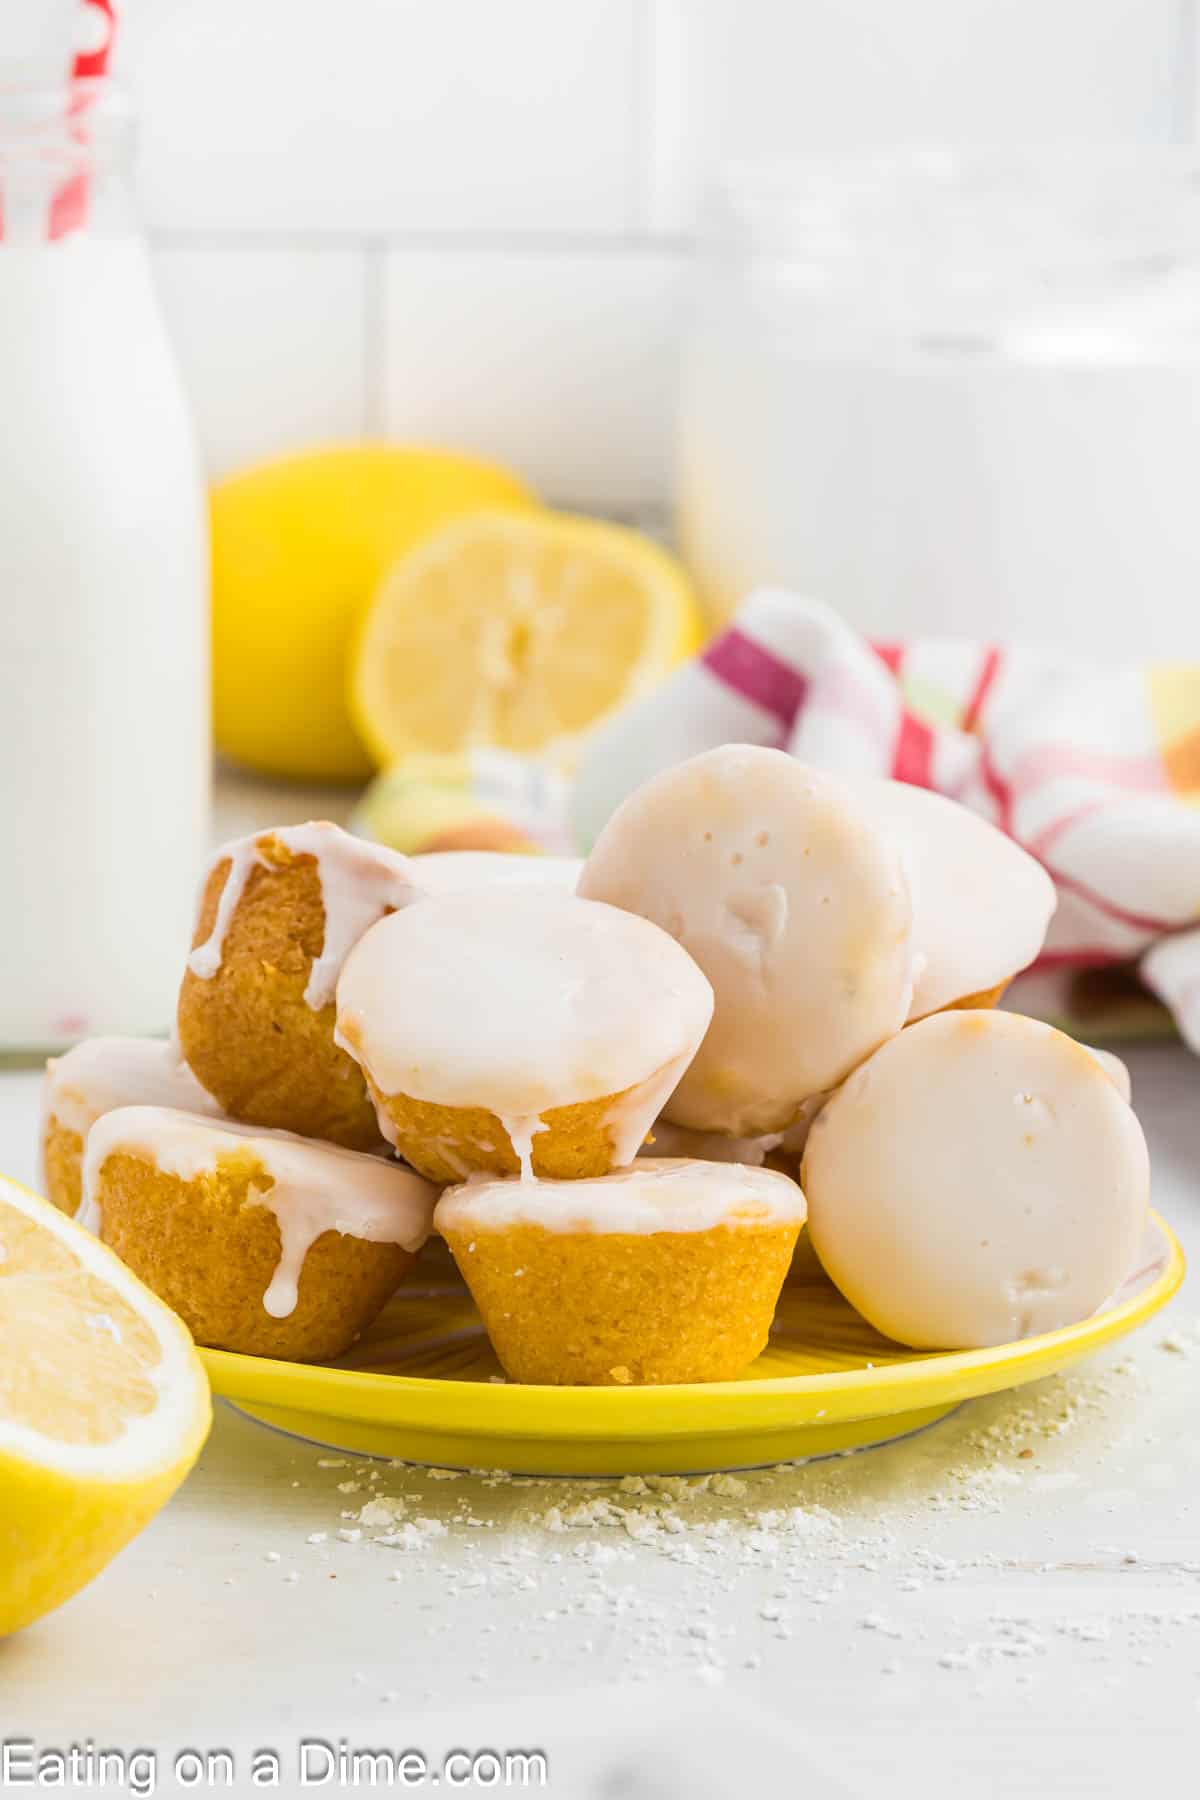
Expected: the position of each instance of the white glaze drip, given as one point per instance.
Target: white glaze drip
(449, 1149)
(314, 1188)
(103, 1073)
(631, 1116)
(650, 1196)
(360, 882)
(522, 1128)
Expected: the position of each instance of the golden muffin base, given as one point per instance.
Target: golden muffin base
(247, 1032)
(447, 1143)
(62, 1166)
(616, 1309)
(208, 1249)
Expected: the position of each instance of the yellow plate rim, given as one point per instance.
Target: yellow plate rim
(500, 1410)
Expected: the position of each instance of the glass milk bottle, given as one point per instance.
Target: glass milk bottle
(104, 746)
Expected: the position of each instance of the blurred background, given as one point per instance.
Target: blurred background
(471, 224)
(490, 355)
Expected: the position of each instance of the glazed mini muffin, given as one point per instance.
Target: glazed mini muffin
(980, 1179)
(793, 903)
(278, 914)
(262, 1242)
(981, 904)
(509, 1029)
(92, 1079)
(664, 1272)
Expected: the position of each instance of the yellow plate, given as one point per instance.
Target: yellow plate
(423, 1385)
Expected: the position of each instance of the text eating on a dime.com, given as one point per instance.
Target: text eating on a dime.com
(332, 1764)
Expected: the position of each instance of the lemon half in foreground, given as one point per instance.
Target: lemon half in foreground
(299, 546)
(519, 631)
(104, 1406)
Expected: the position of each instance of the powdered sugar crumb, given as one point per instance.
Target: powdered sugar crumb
(749, 1564)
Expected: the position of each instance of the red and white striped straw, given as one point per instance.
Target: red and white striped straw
(69, 207)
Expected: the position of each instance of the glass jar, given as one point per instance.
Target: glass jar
(953, 395)
(104, 750)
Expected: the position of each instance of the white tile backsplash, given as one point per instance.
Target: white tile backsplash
(384, 115)
(560, 363)
(271, 344)
(467, 221)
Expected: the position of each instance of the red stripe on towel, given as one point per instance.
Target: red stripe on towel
(913, 755)
(998, 788)
(758, 676)
(989, 668)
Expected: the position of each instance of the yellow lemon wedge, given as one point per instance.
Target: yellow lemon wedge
(104, 1406)
(299, 546)
(519, 631)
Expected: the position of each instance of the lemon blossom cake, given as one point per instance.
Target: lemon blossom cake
(794, 904)
(767, 996)
(525, 1030)
(279, 913)
(981, 904)
(666, 1271)
(91, 1079)
(979, 1179)
(261, 1241)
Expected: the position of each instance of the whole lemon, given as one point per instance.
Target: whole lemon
(299, 546)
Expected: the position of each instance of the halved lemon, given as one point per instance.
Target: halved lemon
(104, 1406)
(516, 630)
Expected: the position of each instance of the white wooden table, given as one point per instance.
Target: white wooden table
(1006, 1604)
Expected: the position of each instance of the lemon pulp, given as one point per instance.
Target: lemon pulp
(519, 631)
(103, 1406)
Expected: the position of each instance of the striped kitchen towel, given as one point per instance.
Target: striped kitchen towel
(1095, 771)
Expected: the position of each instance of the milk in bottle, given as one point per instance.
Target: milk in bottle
(104, 758)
